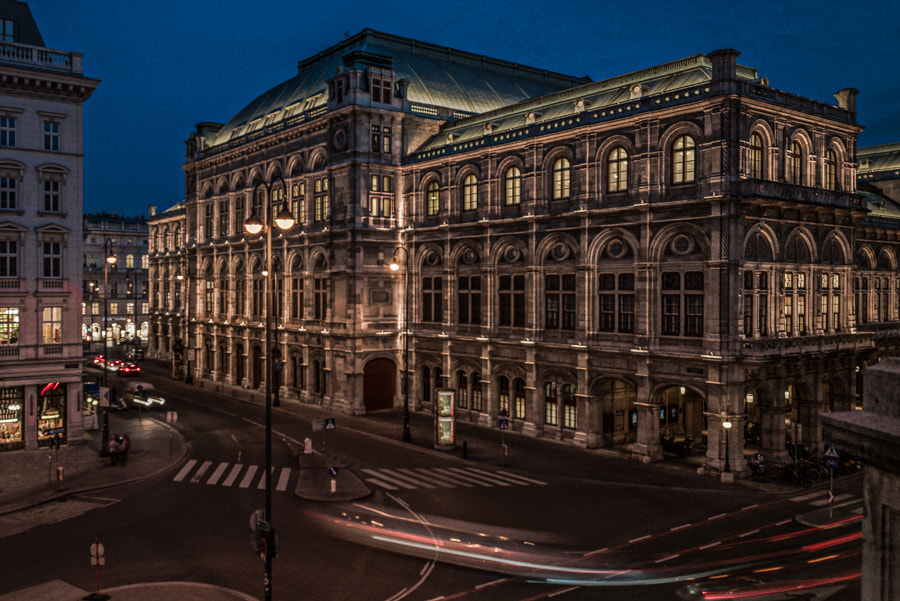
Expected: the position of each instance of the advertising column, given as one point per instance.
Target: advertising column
(444, 426)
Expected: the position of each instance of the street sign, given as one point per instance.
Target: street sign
(318, 425)
(831, 457)
(53, 431)
(333, 471)
(329, 423)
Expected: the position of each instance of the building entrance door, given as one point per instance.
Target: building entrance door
(379, 384)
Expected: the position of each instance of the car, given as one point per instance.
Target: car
(136, 355)
(143, 396)
(129, 369)
(99, 360)
(114, 365)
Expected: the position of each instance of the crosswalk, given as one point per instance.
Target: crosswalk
(238, 475)
(820, 498)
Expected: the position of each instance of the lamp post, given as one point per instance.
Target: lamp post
(254, 227)
(406, 436)
(110, 259)
(185, 321)
(727, 476)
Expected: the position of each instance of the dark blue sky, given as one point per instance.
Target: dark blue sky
(168, 65)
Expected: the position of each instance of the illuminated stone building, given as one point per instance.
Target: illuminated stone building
(600, 262)
(41, 148)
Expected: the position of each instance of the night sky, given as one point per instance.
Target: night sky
(167, 65)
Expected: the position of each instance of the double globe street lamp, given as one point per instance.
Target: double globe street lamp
(284, 221)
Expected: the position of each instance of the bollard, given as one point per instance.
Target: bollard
(59, 473)
(333, 485)
(307, 446)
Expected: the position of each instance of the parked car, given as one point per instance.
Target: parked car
(130, 369)
(142, 395)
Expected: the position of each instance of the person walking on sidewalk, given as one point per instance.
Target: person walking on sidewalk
(124, 444)
(114, 449)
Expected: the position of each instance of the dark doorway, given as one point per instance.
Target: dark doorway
(379, 384)
(257, 368)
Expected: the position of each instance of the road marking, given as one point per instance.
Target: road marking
(184, 471)
(805, 497)
(379, 475)
(682, 527)
(396, 475)
(201, 471)
(430, 478)
(518, 477)
(783, 522)
(283, 479)
(214, 479)
(746, 534)
(456, 479)
(640, 538)
(711, 545)
(382, 484)
(233, 474)
(715, 517)
(476, 478)
(842, 497)
(262, 480)
(750, 507)
(669, 558)
(248, 477)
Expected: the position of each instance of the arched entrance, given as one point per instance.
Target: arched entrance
(379, 384)
(619, 416)
(257, 368)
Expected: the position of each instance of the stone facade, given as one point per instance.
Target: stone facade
(603, 262)
(41, 149)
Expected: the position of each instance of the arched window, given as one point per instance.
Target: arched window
(513, 186)
(795, 164)
(830, 171)
(561, 181)
(551, 406)
(432, 198)
(755, 157)
(519, 405)
(462, 390)
(617, 170)
(683, 160)
(503, 389)
(570, 413)
(470, 193)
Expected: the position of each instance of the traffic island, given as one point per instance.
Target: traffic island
(324, 479)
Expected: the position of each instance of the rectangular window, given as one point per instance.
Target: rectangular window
(376, 138)
(789, 315)
(321, 298)
(51, 197)
(9, 259)
(570, 413)
(298, 201)
(512, 301)
(469, 297)
(51, 324)
(607, 312)
(432, 299)
(51, 136)
(208, 219)
(239, 212)
(551, 411)
(559, 295)
(381, 90)
(9, 325)
(259, 287)
(209, 294)
(224, 224)
(671, 315)
(321, 199)
(693, 319)
(7, 30)
(386, 140)
(52, 260)
(7, 193)
(297, 297)
(7, 131)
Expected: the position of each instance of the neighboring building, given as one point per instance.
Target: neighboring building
(41, 149)
(663, 252)
(126, 314)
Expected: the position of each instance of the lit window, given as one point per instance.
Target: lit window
(513, 187)
(795, 164)
(561, 181)
(433, 199)
(755, 157)
(683, 158)
(320, 199)
(9, 325)
(298, 201)
(470, 193)
(617, 170)
(52, 325)
(830, 170)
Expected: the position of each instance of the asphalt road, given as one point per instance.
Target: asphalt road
(436, 527)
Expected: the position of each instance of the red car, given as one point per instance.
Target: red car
(129, 369)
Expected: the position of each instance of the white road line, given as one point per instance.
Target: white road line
(711, 545)
(283, 479)
(850, 502)
(746, 534)
(382, 484)
(214, 479)
(233, 474)
(498, 477)
(200, 471)
(837, 498)
(669, 558)
(453, 477)
(805, 497)
(518, 477)
(479, 480)
(262, 480)
(430, 478)
(380, 475)
(248, 476)
(783, 522)
(748, 507)
(442, 479)
(715, 517)
(417, 482)
(640, 538)
(682, 527)
(184, 471)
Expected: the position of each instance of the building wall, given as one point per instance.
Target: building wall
(733, 279)
(41, 151)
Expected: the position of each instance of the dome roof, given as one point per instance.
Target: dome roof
(437, 77)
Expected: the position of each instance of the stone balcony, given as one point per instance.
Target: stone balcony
(35, 57)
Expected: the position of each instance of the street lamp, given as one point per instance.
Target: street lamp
(183, 361)
(284, 220)
(110, 260)
(727, 476)
(406, 435)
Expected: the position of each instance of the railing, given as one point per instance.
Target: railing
(31, 352)
(41, 58)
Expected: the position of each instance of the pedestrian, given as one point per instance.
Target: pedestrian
(124, 444)
(114, 450)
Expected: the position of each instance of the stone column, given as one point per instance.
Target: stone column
(647, 447)
(873, 435)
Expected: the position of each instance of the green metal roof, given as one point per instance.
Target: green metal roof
(438, 77)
